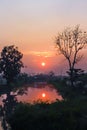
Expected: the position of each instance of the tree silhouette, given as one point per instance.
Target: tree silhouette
(10, 67)
(10, 62)
(69, 43)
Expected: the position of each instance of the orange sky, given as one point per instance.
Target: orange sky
(32, 25)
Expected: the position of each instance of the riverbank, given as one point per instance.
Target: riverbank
(68, 114)
(68, 92)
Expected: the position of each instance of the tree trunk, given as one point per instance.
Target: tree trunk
(72, 77)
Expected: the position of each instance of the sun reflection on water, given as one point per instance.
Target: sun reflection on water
(42, 93)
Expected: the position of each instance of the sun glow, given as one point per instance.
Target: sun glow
(43, 64)
(43, 95)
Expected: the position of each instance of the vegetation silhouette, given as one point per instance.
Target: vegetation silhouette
(10, 62)
(56, 116)
(70, 43)
(10, 67)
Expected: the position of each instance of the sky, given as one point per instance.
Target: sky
(32, 25)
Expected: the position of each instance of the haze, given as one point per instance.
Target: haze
(32, 25)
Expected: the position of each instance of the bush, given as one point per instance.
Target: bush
(56, 116)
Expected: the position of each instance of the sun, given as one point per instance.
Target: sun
(43, 64)
(43, 95)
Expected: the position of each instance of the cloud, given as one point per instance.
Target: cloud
(45, 54)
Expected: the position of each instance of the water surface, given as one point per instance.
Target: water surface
(40, 92)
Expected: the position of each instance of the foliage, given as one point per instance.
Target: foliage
(77, 73)
(10, 62)
(56, 116)
(69, 114)
(69, 93)
(10, 67)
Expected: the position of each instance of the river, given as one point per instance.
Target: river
(38, 91)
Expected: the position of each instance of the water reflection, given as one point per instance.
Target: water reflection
(36, 92)
(40, 92)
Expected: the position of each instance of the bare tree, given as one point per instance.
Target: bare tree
(69, 43)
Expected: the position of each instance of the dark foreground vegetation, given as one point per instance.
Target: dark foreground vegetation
(69, 114)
